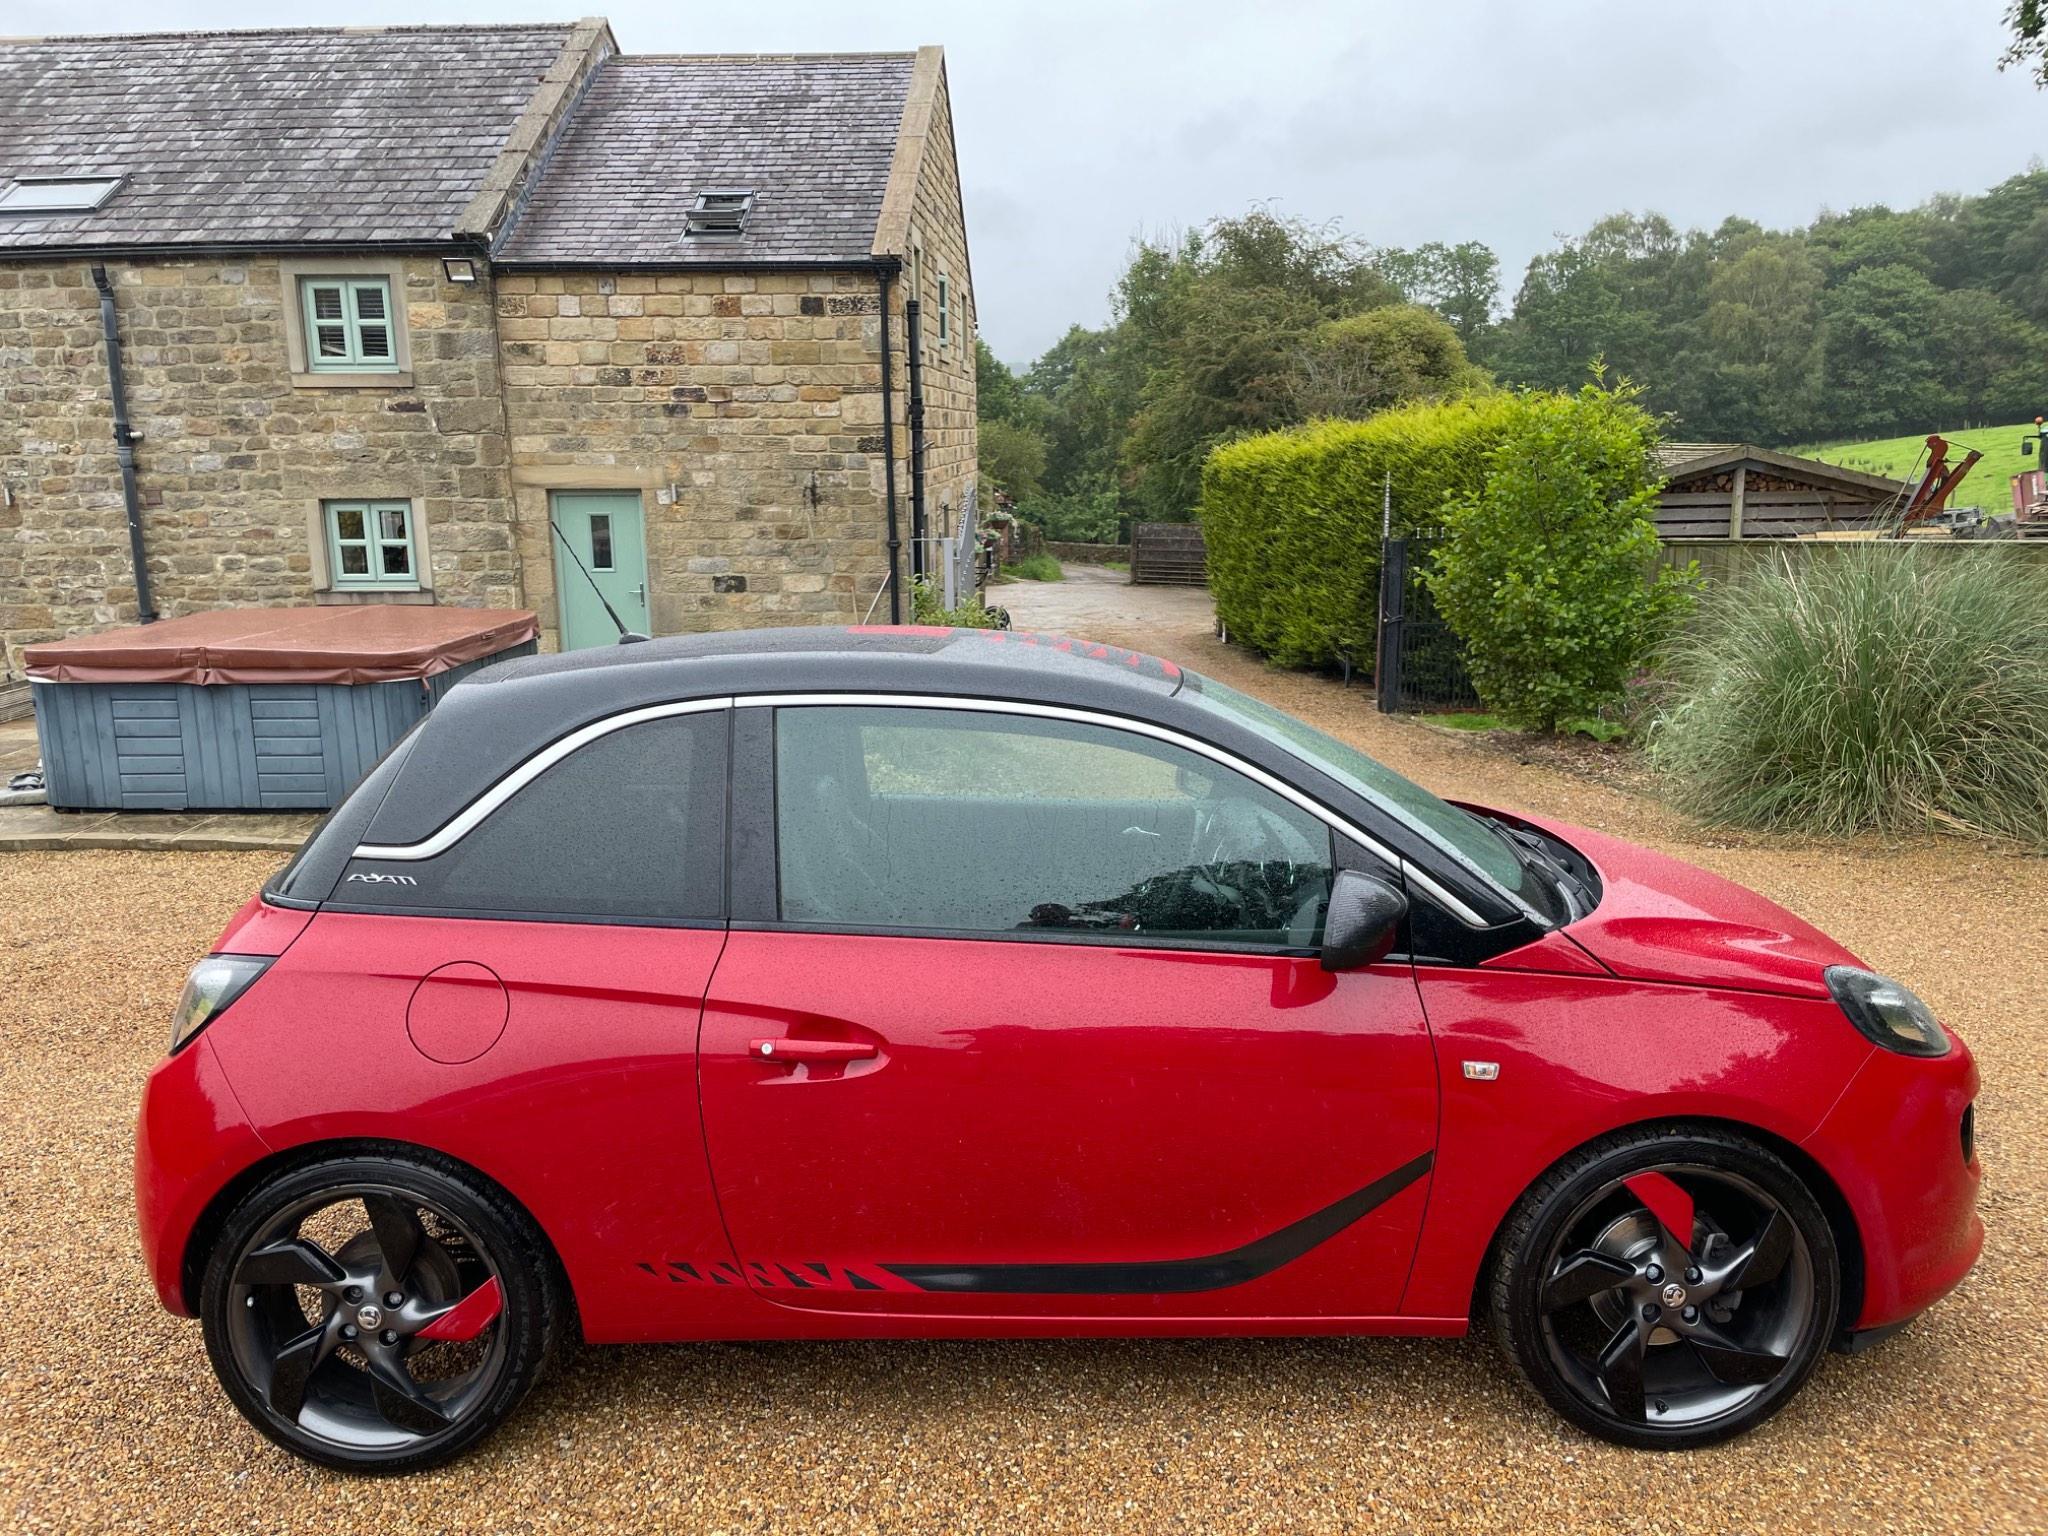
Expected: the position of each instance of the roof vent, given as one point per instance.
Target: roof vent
(58, 194)
(719, 215)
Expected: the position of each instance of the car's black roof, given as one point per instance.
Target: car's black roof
(761, 660)
(493, 721)
(499, 716)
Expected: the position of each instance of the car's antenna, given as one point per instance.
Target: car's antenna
(626, 636)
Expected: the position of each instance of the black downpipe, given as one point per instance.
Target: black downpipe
(914, 351)
(125, 439)
(889, 454)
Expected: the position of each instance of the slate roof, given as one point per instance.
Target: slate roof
(270, 138)
(812, 136)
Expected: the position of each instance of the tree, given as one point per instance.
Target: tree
(1087, 388)
(2028, 22)
(1751, 371)
(998, 395)
(1212, 325)
(1012, 459)
(1878, 352)
(1546, 573)
(1365, 363)
(1460, 282)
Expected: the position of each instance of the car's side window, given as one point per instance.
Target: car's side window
(973, 822)
(628, 826)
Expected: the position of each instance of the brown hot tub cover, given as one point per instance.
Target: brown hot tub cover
(371, 643)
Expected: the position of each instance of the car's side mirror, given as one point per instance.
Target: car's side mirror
(1363, 921)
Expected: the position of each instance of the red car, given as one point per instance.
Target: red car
(905, 982)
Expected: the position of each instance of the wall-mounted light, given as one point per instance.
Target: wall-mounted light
(460, 269)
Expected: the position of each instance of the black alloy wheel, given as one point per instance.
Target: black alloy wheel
(1667, 1289)
(377, 1313)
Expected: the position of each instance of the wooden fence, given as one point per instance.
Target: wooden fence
(1726, 559)
(1168, 554)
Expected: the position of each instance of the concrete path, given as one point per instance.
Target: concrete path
(1091, 601)
(37, 828)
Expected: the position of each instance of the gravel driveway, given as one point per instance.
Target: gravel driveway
(109, 1418)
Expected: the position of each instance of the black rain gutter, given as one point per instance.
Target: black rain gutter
(125, 439)
(883, 277)
(913, 350)
(707, 263)
(169, 251)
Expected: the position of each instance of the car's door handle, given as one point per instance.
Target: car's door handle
(813, 1050)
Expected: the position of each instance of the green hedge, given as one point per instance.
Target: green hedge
(1292, 519)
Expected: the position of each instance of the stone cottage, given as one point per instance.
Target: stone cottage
(475, 315)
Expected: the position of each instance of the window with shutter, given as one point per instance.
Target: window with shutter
(348, 325)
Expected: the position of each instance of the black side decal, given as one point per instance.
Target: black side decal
(1160, 1277)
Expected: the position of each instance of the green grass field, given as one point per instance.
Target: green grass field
(1988, 484)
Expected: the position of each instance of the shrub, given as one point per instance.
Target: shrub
(1035, 568)
(1292, 519)
(1548, 571)
(928, 606)
(1867, 686)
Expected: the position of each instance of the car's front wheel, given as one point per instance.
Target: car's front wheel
(378, 1313)
(1667, 1287)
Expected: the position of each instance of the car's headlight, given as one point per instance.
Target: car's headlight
(1887, 1012)
(215, 982)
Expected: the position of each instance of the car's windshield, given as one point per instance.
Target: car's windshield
(1474, 843)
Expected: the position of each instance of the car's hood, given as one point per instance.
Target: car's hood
(1663, 920)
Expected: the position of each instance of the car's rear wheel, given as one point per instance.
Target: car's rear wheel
(1667, 1288)
(378, 1313)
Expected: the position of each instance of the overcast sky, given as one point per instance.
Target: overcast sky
(1081, 125)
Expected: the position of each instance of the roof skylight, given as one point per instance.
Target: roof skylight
(720, 213)
(58, 194)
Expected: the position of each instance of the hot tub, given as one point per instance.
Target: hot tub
(250, 708)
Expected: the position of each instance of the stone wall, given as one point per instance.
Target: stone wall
(938, 235)
(233, 456)
(745, 408)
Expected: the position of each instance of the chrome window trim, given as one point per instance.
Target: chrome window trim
(464, 821)
(1421, 881)
(458, 826)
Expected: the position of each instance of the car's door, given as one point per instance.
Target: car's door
(526, 995)
(1035, 1028)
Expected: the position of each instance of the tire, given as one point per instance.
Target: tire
(1676, 1342)
(287, 1292)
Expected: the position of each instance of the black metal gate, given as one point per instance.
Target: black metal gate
(1420, 663)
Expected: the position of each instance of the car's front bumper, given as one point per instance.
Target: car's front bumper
(1895, 1143)
(190, 1140)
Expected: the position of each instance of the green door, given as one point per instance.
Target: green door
(603, 532)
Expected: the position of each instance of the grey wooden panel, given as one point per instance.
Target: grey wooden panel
(171, 746)
(150, 707)
(64, 767)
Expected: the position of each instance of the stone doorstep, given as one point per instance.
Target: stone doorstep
(39, 829)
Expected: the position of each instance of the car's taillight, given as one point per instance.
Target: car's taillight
(215, 982)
